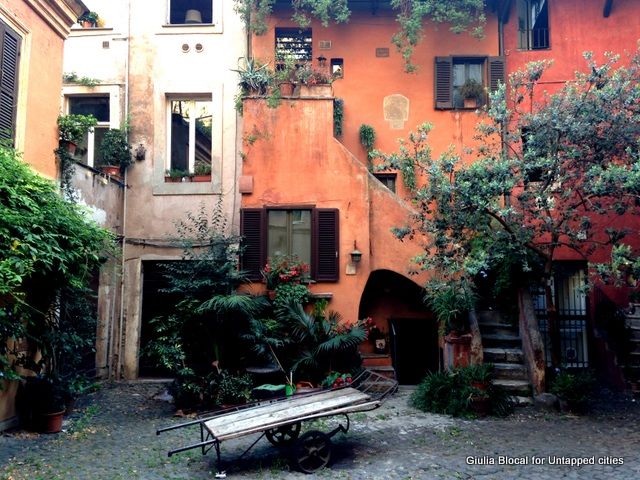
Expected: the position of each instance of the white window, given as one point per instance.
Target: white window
(189, 139)
(88, 151)
(185, 12)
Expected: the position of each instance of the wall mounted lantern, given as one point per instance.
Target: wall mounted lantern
(356, 255)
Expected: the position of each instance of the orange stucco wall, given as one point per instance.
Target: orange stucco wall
(297, 161)
(368, 79)
(40, 85)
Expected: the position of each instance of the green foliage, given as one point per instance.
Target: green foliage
(324, 343)
(472, 89)
(91, 17)
(451, 300)
(338, 116)
(307, 75)
(115, 149)
(286, 293)
(233, 389)
(203, 332)
(48, 251)
(574, 388)
(461, 15)
(72, 128)
(578, 169)
(72, 77)
(367, 137)
(451, 392)
(284, 269)
(176, 173)
(255, 76)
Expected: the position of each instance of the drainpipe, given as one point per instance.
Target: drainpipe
(124, 203)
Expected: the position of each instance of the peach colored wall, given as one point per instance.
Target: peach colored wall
(297, 161)
(42, 90)
(368, 79)
(577, 26)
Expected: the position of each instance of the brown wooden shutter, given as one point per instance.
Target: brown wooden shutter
(252, 229)
(496, 72)
(443, 81)
(326, 258)
(9, 62)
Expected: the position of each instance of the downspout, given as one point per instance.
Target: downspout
(124, 202)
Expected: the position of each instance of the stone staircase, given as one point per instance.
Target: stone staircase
(502, 346)
(633, 363)
(379, 363)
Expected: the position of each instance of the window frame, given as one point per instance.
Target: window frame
(325, 241)
(493, 73)
(91, 135)
(192, 98)
(183, 24)
(526, 35)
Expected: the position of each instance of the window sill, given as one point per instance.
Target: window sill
(186, 28)
(83, 32)
(193, 179)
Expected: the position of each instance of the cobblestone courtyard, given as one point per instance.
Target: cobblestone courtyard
(112, 436)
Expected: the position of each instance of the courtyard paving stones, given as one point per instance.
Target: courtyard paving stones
(112, 436)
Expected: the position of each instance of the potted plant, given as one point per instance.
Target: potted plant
(202, 173)
(255, 77)
(573, 390)
(115, 152)
(472, 93)
(313, 82)
(72, 128)
(284, 269)
(88, 19)
(285, 77)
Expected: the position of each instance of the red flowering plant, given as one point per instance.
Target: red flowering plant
(284, 269)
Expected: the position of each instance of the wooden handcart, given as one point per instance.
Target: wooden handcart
(280, 421)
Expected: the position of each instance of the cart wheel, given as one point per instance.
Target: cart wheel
(312, 451)
(285, 435)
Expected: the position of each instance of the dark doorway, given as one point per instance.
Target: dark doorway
(155, 303)
(414, 348)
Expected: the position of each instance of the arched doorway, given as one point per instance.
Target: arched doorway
(395, 303)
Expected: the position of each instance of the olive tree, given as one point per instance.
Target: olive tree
(555, 172)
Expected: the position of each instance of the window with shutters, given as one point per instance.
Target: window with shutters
(453, 74)
(9, 64)
(533, 24)
(310, 234)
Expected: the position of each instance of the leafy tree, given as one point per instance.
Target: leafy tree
(49, 248)
(555, 173)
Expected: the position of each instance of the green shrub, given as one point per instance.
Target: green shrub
(574, 388)
(451, 392)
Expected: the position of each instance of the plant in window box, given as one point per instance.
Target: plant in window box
(472, 93)
(284, 269)
(72, 128)
(255, 77)
(175, 175)
(115, 151)
(202, 173)
(89, 19)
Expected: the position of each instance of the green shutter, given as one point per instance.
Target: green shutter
(9, 62)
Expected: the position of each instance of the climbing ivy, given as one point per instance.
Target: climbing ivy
(461, 15)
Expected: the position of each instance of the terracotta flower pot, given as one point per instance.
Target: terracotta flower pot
(51, 422)
(286, 89)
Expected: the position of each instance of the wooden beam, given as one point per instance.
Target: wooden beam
(608, 5)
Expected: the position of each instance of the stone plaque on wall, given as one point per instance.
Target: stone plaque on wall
(396, 110)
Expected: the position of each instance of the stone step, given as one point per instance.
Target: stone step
(503, 355)
(522, 401)
(489, 316)
(384, 370)
(370, 360)
(634, 333)
(519, 388)
(501, 341)
(510, 371)
(497, 329)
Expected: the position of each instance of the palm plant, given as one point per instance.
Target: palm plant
(325, 342)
